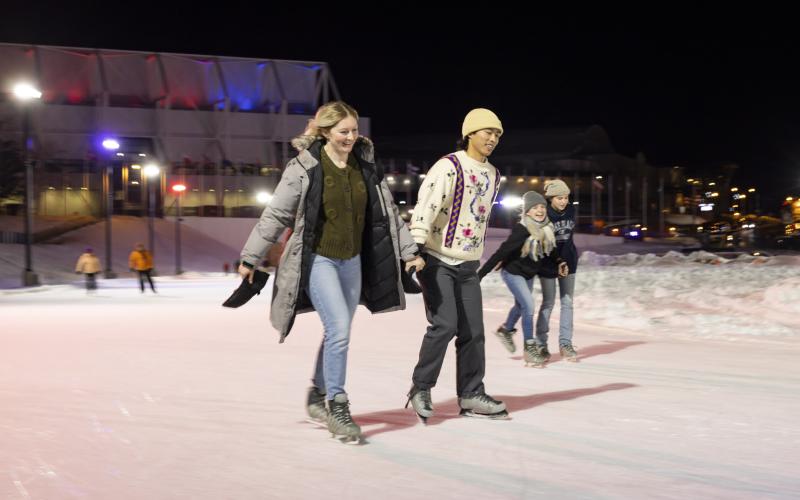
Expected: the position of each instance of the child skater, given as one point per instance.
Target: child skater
(562, 214)
(521, 257)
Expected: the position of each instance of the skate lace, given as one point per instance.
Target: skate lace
(485, 398)
(316, 398)
(341, 412)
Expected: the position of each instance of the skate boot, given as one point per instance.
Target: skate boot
(533, 354)
(315, 406)
(340, 423)
(482, 405)
(506, 337)
(568, 353)
(420, 400)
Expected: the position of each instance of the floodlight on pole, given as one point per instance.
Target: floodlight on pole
(25, 93)
(178, 189)
(151, 170)
(110, 144)
(511, 202)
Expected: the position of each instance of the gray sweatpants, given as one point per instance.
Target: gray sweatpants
(454, 308)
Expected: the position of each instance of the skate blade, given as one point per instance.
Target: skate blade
(502, 415)
(351, 440)
(422, 419)
(318, 423)
(534, 365)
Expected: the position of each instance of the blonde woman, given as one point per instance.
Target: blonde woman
(346, 245)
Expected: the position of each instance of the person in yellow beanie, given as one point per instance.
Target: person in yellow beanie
(449, 224)
(141, 261)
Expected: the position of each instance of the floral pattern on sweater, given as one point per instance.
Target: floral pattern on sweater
(447, 228)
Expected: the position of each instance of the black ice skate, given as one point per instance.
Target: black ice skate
(483, 406)
(568, 353)
(340, 423)
(534, 354)
(315, 406)
(506, 337)
(420, 400)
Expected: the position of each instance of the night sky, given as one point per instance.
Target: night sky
(683, 89)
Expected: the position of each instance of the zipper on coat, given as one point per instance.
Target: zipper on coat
(380, 198)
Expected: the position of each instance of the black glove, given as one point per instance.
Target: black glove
(247, 290)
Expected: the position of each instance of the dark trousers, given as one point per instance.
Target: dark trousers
(454, 308)
(91, 281)
(142, 276)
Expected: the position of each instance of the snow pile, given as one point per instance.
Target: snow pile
(696, 295)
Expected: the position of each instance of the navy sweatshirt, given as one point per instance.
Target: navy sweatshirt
(563, 224)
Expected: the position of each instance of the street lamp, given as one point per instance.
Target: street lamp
(513, 204)
(178, 189)
(151, 171)
(110, 145)
(263, 197)
(25, 93)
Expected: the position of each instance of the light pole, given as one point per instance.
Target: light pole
(178, 189)
(26, 92)
(151, 171)
(109, 145)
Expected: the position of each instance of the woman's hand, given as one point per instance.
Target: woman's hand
(418, 263)
(563, 269)
(246, 273)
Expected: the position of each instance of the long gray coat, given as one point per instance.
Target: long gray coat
(296, 204)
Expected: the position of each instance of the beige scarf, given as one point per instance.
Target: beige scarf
(542, 239)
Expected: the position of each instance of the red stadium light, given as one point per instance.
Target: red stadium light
(178, 188)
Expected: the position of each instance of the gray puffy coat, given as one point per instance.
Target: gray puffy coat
(296, 205)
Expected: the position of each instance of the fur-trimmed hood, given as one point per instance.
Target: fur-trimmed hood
(363, 143)
(296, 203)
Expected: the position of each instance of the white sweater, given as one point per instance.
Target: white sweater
(453, 208)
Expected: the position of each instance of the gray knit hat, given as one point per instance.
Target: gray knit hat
(555, 187)
(530, 199)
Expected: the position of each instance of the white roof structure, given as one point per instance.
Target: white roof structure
(210, 108)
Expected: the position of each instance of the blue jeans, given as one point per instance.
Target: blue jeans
(334, 289)
(522, 290)
(566, 288)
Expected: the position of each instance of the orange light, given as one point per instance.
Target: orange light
(178, 188)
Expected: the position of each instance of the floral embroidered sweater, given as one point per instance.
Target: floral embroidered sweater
(453, 208)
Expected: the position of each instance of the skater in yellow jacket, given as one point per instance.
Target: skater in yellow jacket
(141, 261)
